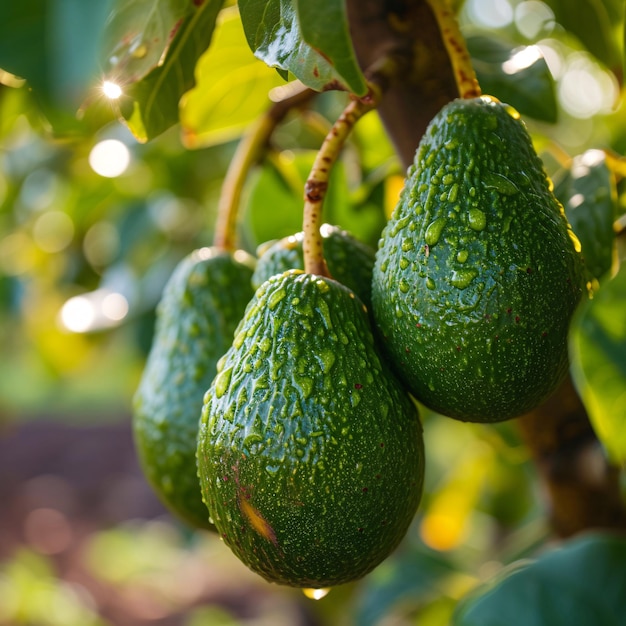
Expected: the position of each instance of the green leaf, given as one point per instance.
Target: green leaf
(231, 90)
(589, 197)
(592, 23)
(137, 34)
(274, 32)
(579, 584)
(54, 45)
(598, 363)
(324, 26)
(150, 106)
(516, 75)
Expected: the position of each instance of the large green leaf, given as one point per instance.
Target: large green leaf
(516, 75)
(324, 26)
(54, 45)
(589, 197)
(277, 35)
(150, 106)
(231, 87)
(593, 23)
(580, 584)
(137, 34)
(598, 357)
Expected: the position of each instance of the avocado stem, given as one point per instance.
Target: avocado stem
(454, 42)
(317, 183)
(249, 151)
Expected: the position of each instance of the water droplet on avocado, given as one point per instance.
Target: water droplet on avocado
(461, 279)
(500, 183)
(316, 594)
(513, 112)
(275, 298)
(433, 232)
(477, 219)
(222, 381)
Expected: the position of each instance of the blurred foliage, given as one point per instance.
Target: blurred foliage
(87, 243)
(563, 586)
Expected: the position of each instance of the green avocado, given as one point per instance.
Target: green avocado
(349, 260)
(310, 453)
(477, 273)
(202, 303)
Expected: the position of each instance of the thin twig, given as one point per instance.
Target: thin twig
(317, 182)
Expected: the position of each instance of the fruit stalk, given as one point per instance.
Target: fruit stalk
(249, 151)
(454, 42)
(317, 183)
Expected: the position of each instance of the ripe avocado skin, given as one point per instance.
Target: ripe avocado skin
(202, 304)
(477, 273)
(310, 453)
(349, 260)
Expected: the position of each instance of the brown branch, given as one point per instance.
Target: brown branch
(425, 82)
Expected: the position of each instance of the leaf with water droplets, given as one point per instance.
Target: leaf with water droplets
(150, 105)
(310, 40)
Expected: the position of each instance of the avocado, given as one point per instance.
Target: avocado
(478, 273)
(310, 452)
(201, 305)
(349, 260)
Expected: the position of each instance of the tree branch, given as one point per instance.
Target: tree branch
(408, 31)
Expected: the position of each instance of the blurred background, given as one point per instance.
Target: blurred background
(92, 225)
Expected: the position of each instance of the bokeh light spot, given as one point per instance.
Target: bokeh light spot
(53, 231)
(109, 158)
(78, 314)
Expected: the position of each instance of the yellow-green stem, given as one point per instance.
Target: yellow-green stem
(317, 182)
(250, 149)
(464, 73)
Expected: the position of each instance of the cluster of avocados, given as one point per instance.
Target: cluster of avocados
(278, 407)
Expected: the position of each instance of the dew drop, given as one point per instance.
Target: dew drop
(222, 381)
(513, 112)
(433, 232)
(461, 279)
(461, 256)
(500, 183)
(275, 298)
(430, 283)
(316, 594)
(477, 219)
(404, 286)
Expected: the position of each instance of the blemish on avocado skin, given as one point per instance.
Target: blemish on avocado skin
(257, 521)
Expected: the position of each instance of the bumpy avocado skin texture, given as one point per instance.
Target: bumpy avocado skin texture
(202, 303)
(349, 260)
(310, 453)
(477, 273)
